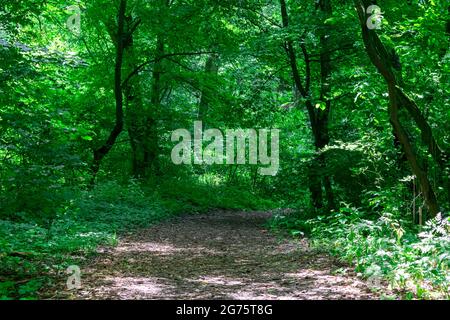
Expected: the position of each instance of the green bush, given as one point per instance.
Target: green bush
(415, 264)
(29, 252)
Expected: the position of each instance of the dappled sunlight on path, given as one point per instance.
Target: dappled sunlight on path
(224, 255)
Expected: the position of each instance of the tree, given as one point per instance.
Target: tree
(319, 114)
(122, 38)
(380, 57)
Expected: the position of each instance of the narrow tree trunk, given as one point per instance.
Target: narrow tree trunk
(101, 152)
(151, 148)
(325, 92)
(211, 69)
(135, 126)
(315, 186)
(428, 139)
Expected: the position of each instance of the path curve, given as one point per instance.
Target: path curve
(223, 255)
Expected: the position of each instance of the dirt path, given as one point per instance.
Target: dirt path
(224, 255)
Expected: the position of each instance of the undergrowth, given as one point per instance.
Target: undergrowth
(33, 253)
(415, 263)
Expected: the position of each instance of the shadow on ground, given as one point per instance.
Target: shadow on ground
(225, 255)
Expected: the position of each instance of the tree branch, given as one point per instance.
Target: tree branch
(167, 55)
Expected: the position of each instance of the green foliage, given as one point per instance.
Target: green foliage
(35, 251)
(204, 197)
(415, 264)
(58, 104)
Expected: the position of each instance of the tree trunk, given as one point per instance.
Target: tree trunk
(211, 68)
(315, 186)
(101, 152)
(325, 93)
(151, 147)
(135, 125)
(318, 117)
(383, 62)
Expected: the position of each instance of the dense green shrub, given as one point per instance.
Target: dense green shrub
(416, 264)
(31, 251)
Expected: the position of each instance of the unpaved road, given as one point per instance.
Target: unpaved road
(224, 255)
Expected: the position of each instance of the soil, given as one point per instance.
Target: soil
(222, 255)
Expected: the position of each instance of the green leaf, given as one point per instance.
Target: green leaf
(321, 106)
(331, 21)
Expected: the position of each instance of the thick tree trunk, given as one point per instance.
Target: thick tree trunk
(383, 62)
(132, 89)
(318, 116)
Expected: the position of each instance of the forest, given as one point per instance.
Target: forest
(224, 149)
